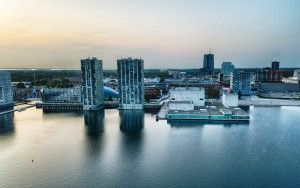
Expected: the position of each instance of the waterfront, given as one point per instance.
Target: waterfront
(133, 150)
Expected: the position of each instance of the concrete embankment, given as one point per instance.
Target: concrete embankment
(268, 102)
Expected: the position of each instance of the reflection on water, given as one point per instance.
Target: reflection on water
(132, 139)
(94, 122)
(6, 123)
(132, 121)
(130, 149)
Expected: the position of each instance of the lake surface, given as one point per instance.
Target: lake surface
(126, 149)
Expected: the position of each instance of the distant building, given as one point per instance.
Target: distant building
(279, 87)
(131, 83)
(275, 65)
(62, 95)
(295, 79)
(221, 77)
(180, 75)
(155, 80)
(21, 94)
(208, 63)
(227, 68)
(186, 98)
(92, 85)
(296, 75)
(152, 93)
(279, 90)
(269, 75)
(240, 82)
(6, 95)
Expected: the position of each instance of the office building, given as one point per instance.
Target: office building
(92, 83)
(152, 93)
(269, 75)
(240, 83)
(275, 65)
(131, 83)
(220, 77)
(208, 63)
(227, 68)
(62, 95)
(6, 95)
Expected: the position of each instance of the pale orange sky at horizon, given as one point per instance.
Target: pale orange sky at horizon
(168, 34)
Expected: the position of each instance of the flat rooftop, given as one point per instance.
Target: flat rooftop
(188, 88)
(212, 108)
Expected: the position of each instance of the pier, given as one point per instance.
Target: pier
(18, 109)
(162, 114)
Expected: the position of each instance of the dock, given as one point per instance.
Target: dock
(162, 114)
(19, 109)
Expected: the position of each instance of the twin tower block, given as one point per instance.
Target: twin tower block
(130, 83)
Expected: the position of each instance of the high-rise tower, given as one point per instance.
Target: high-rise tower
(208, 63)
(92, 85)
(6, 96)
(275, 65)
(131, 83)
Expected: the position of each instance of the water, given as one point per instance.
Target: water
(133, 150)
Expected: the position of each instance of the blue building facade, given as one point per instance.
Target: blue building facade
(6, 96)
(240, 82)
(208, 63)
(227, 68)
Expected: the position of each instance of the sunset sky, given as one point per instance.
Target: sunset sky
(165, 33)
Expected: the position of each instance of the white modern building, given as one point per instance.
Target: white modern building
(155, 80)
(131, 83)
(92, 84)
(6, 96)
(296, 74)
(293, 80)
(186, 98)
(230, 99)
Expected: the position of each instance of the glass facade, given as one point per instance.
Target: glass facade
(6, 96)
(208, 63)
(241, 82)
(131, 83)
(92, 83)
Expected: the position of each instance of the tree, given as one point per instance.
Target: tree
(20, 85)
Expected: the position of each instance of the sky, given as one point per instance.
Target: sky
(165, 33)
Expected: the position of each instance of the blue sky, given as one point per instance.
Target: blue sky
(166, 34)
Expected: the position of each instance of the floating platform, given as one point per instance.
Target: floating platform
(212, 111)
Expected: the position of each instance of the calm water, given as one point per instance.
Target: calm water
(112, 149)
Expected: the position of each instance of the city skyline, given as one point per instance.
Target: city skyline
(57, 34)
